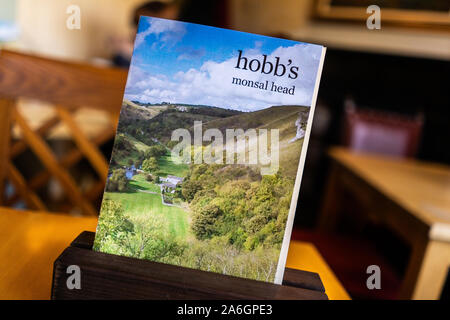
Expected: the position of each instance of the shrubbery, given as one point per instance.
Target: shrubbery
(113, 225)
(236, 203)
(141, 237)
(118, 181)
(124, 149)
(204, 219)
(137, 237)
(150, 165)
(156, 151)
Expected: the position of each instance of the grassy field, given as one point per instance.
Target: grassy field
(143, 198)
(139, 182)
(139, 204)
(168, 167)
(142, 147)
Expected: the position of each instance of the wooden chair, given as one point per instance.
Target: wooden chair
(68, 87)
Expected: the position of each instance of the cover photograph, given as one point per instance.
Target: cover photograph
(208, 157)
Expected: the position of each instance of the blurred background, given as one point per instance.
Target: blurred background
(376, 184)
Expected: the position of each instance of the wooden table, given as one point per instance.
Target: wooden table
(410, 197)
(31, 241)
(305, 256)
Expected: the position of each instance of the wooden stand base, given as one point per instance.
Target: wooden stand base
(105, 276)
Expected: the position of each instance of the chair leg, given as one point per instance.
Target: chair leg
(6, 107)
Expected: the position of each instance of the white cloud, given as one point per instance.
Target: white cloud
(211, 84)
(170, 32)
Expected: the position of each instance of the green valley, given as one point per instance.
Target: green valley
(225, 218)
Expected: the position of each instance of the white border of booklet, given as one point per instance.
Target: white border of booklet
(290, 221)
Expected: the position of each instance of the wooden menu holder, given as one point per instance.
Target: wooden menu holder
(106, 276)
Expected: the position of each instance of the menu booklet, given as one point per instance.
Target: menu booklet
(208, 158)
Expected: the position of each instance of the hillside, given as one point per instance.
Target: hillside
(132, 111)
(166, 118)
(282, 118)
(150, 124)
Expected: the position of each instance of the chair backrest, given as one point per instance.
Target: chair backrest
(68, 86)
(381, 132)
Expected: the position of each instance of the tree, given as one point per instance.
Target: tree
(204, 218)
(121, 142)
(118, 181)
(137, 164)
(156, 151)
(189, 189)
(150, 164)
(114, 224)
(172, 144)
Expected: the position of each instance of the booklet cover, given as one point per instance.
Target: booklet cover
(207, 161)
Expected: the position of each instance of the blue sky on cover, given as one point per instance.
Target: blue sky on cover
(188, 63)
